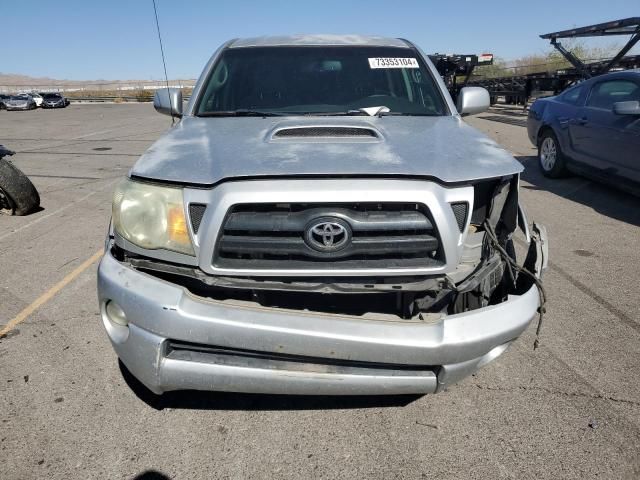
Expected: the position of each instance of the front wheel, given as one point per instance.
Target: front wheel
(18, 196)
(550, 157)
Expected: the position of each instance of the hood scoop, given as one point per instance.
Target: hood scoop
(326, 132)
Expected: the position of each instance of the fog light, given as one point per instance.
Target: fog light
(116, 314)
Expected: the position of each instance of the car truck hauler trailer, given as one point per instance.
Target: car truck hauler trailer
(517, 89)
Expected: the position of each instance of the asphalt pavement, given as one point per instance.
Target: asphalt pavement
(570, 409)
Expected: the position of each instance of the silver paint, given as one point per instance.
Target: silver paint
(472, 100)
(158, 310)
(168, 101)
(210, 150)
(206, 151)
(213, 151)
(318, 40)
(221, 198)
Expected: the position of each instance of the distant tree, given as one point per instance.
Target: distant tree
(547, 61)
(498, 69)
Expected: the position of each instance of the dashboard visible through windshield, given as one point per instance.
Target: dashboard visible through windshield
(314, 80)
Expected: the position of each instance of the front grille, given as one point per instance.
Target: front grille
(362, 235)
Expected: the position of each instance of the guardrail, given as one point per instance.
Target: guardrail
(118, 99)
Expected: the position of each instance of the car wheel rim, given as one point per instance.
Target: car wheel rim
(548, 153)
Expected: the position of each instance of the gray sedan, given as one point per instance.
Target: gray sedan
(20, 102)
(592, 129)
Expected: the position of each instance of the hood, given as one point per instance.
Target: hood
(209, 150)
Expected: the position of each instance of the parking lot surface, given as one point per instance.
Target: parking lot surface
(570, 409)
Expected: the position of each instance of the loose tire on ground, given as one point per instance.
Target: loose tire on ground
(550, 157)
(16, 190)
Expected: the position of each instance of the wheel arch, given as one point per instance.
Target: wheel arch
(545, 127)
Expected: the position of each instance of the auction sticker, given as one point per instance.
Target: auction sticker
(393, 63)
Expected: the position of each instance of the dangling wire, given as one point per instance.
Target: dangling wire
(164, 64)
(491, 234)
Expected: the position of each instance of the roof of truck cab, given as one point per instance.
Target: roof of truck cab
(318, 40)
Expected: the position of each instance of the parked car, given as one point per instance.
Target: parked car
(36, 98)
(3, 99)
(54, 100)
(592, 129)
(20, 102)
(320, 221)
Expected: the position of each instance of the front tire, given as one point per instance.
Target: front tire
(550, 157)
(17, 193)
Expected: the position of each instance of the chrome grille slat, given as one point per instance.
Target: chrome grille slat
(272, 236)
(297, 246)
(296, 221)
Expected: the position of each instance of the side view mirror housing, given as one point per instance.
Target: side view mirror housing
(168, 101)
(472, 100)
(627, 108)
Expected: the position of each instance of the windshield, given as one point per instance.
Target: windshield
(320, 80)
(51, 96)
(19, 97)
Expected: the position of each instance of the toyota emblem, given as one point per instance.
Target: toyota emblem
(327, 234)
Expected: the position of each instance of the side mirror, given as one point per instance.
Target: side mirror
(472, 100)
(168, 101)
(626, 108)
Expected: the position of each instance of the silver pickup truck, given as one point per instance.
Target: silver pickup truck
(320, 220)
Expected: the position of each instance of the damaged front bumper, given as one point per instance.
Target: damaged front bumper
(174, 340)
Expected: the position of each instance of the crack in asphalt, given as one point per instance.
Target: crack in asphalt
(611, 308)
(553, 391)
(82, 184)
(59, 210)
(82, 153)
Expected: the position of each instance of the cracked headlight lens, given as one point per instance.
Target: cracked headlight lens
(151, 216)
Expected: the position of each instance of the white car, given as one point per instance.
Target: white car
(37, 98)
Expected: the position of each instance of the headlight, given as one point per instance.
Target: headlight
(151, 216)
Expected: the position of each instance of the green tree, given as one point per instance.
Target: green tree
(549, 60)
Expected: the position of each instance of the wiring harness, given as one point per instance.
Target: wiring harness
(514, 266)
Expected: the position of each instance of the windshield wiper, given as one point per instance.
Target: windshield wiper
(370, 111)
(241, 112)
(405, 114)
(329, 114)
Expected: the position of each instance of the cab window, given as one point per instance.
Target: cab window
(573, 95)
(605, 94)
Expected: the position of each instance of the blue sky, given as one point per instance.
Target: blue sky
(86, 40)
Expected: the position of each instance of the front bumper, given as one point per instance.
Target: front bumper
(269, 350)
(17, 107)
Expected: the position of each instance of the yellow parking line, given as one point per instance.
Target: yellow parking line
(49, 294)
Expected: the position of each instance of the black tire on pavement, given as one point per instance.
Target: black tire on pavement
(22, 196)
(551, 160)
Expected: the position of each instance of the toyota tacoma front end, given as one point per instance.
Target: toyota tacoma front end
(319, 221)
